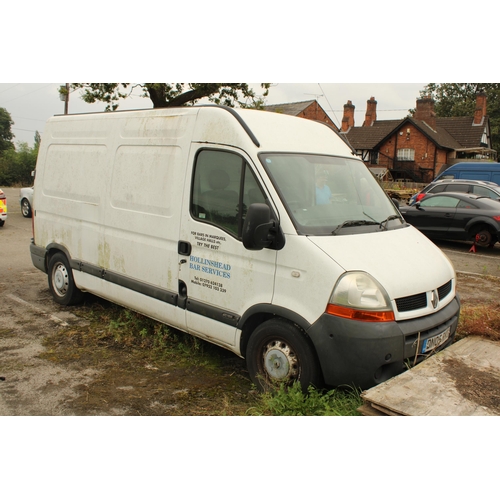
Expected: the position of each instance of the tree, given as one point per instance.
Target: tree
(6, 134)
(16, 165)
(165, 95)
(459, 99)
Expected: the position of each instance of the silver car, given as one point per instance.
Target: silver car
(26, 201)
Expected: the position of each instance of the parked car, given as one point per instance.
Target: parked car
(26, 201)
(456, 216)
(3, 208)
(481, 188)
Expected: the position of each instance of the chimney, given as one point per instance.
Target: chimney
(480, 112)
(425, 111)
(348, 119)
(371, 112)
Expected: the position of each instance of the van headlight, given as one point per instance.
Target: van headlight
(360, 297)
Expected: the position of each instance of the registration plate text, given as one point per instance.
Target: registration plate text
(436, 341)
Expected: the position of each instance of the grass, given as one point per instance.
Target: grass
(482, 320)
(217, 379)
(291, 401)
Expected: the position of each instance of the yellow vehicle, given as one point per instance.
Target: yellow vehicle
(3, 208)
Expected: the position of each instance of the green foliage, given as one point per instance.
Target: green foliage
(459, 99)
(172, 94)
(17, 164)
(288, 401)
(6, 134)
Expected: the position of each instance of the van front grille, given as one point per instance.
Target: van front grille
(419, 301)
(412, 302)
(444, 290)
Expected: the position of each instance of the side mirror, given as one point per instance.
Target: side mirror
(395, 202)
(258, 228)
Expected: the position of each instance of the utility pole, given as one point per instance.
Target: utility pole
(66, 100)
(64, 96)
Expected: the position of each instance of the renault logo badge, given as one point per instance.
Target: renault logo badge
(434, 299)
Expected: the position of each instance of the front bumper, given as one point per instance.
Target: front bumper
(363, 354)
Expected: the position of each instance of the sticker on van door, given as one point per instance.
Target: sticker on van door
(209, 266)
(206, 283)
(208, 241)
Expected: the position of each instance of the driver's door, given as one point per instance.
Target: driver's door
(219, 279)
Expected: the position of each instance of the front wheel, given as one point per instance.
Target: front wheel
(279, 353)
(61, 282)
(25, 208)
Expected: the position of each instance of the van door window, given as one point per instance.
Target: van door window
(223, 188)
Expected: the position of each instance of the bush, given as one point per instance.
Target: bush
(16, 165)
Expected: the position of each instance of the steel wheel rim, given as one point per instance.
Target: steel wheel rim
(280, 361)
(26, 207)
(60, 280)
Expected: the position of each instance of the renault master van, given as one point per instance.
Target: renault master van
(478, 171)
(260, 232)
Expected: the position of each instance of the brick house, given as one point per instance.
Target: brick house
(419, 147)
(311, 110)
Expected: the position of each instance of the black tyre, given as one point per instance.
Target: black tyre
(25, 208)
(484, 238)
(279, 353)
(61, 282)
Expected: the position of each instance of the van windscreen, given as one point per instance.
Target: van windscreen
(327, 195)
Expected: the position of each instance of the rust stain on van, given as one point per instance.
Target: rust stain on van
(103, 255)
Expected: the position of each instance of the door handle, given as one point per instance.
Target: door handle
(184, 248)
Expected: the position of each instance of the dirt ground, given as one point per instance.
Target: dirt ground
(48, 367)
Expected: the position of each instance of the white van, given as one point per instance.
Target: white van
(259, 232)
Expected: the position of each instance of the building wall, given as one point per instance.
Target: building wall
(427, 158)
(315, 112)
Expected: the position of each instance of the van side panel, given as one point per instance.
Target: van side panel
(479, 175)
(111, 189)
(476, 171)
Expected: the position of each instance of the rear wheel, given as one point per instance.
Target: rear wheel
(61, 282)
(25, 208)
(279, 353)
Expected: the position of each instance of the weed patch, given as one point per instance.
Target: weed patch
(482, 320)
(288, 401)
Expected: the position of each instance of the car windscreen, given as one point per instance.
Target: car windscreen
(330, 195)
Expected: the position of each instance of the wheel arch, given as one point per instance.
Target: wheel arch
(261, 313)
(54, 248)
(477, 225)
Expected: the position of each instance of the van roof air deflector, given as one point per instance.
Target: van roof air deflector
(238, 117)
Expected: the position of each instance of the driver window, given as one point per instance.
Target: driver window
(223, 188)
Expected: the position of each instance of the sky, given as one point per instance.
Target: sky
(32, 104)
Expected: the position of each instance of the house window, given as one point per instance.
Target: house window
(406, 154)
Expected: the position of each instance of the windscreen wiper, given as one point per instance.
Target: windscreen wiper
(350, 223)
(383, 224)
